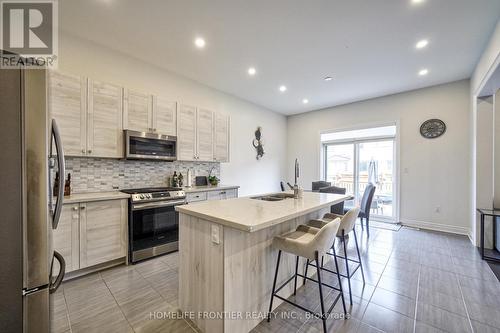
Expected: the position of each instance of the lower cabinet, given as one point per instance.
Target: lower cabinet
(91, 233)
(212, 195)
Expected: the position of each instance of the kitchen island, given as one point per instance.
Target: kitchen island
(227, 262)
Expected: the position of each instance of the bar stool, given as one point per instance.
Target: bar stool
(308, 243)
(347, 224)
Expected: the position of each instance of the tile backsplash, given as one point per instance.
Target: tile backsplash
(102, 174)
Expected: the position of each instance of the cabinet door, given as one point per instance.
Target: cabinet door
(221, 138)
(137, 113)
(65, 238)
(164, 116)
(67, 105)
(105, 131)
(205, 135)
(102, 231)
(186, 133)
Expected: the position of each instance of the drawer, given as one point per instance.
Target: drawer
(197, 196)
(222, 194)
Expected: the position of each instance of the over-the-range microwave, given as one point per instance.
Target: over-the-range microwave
(150, 146)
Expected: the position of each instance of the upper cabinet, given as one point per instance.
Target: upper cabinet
(105, 133)
(164, 116)
(67, 97)
(221, 138)
(205, 135)
(137, 111)
(186, 133)
(89, 115)
(92, 115)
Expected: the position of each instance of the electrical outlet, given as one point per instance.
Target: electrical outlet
(214, 230)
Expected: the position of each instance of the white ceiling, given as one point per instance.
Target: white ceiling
(367, 46)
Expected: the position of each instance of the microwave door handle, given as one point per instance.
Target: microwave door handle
(62, 174)
(54, 285)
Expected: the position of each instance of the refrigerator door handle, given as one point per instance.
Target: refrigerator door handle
(54, 285)
(62, 174)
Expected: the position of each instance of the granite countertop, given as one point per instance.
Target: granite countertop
(95, 196)
(194, 189)
(251, 215)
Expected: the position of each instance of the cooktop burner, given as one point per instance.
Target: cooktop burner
(151, 190)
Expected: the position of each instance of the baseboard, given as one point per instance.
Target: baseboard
(89, 270)
(436, 227)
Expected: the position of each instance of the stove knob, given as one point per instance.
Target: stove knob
(141, 196)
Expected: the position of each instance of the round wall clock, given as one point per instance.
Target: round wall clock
(432, 128)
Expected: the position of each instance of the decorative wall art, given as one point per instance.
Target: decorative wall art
(257, 143)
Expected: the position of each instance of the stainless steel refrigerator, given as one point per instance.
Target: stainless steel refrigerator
(30, 150)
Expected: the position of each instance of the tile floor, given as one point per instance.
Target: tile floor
(416, 281)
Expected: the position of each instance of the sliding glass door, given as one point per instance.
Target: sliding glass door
(353, 163)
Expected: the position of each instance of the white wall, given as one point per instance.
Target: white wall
(433, 172)
(85, 58)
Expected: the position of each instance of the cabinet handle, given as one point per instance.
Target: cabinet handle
(89, 151)
(82, 207)
(75, 208)
(83, 151)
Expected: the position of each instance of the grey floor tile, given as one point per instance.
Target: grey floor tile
(485, 314)
(315, 325)
(480, 297)
(442, 301)
(424, 328)
(442, 319)
(395, 302)
(408, 289)
(387, 320)
(365, 328)
(482, 328)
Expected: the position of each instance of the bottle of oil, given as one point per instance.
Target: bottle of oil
(67, 185)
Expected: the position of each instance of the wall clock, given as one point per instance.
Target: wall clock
(432, 128)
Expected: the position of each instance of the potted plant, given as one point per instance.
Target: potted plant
(213, 180)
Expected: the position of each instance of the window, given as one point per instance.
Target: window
(353, 159)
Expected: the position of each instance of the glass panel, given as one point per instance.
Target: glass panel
(375, 165)
(143, 146)
(339, 166)
(358, 134)
(155, 226)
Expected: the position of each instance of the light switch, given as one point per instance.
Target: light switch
(214, 229)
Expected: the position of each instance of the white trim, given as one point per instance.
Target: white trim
(436, 227)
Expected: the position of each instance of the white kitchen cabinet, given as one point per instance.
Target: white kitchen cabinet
(65, 238)
(186, 133)
(102, 231)
(67, 97)
(164, 116)
(91, 233)
(196, 196)
(104, 124)
(221, 137)
(222, 194)
(137, 111)
(204, 135)
(88, 114)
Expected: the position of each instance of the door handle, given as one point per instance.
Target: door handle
(56, 214)
(54, 285)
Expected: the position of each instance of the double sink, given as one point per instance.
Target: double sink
(274, 197)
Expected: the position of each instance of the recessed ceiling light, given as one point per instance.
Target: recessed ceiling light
(328, 78)
(252, 71)
(199, 42)
(282, 88)
(416, 2)
(422, 43)
(305, 101)
(423, 72)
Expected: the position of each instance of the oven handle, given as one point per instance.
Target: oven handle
(157, 204)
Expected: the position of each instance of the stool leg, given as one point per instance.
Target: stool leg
(362, 227)
(359, 256)
(318, 269)
(367, 227)
(338, 277)
(296, 271)
(322, 261)
(347, 266)
(305, 272)
(274, 286)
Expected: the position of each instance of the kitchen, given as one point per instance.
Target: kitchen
(198, 184)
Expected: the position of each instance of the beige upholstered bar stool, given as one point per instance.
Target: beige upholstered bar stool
(347, 224)
(309, 243)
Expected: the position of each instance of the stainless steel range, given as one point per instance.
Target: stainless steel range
(153, 221)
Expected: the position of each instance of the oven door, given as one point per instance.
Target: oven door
(150, 146)
(154, 228)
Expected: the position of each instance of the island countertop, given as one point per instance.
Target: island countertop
(251, 215)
